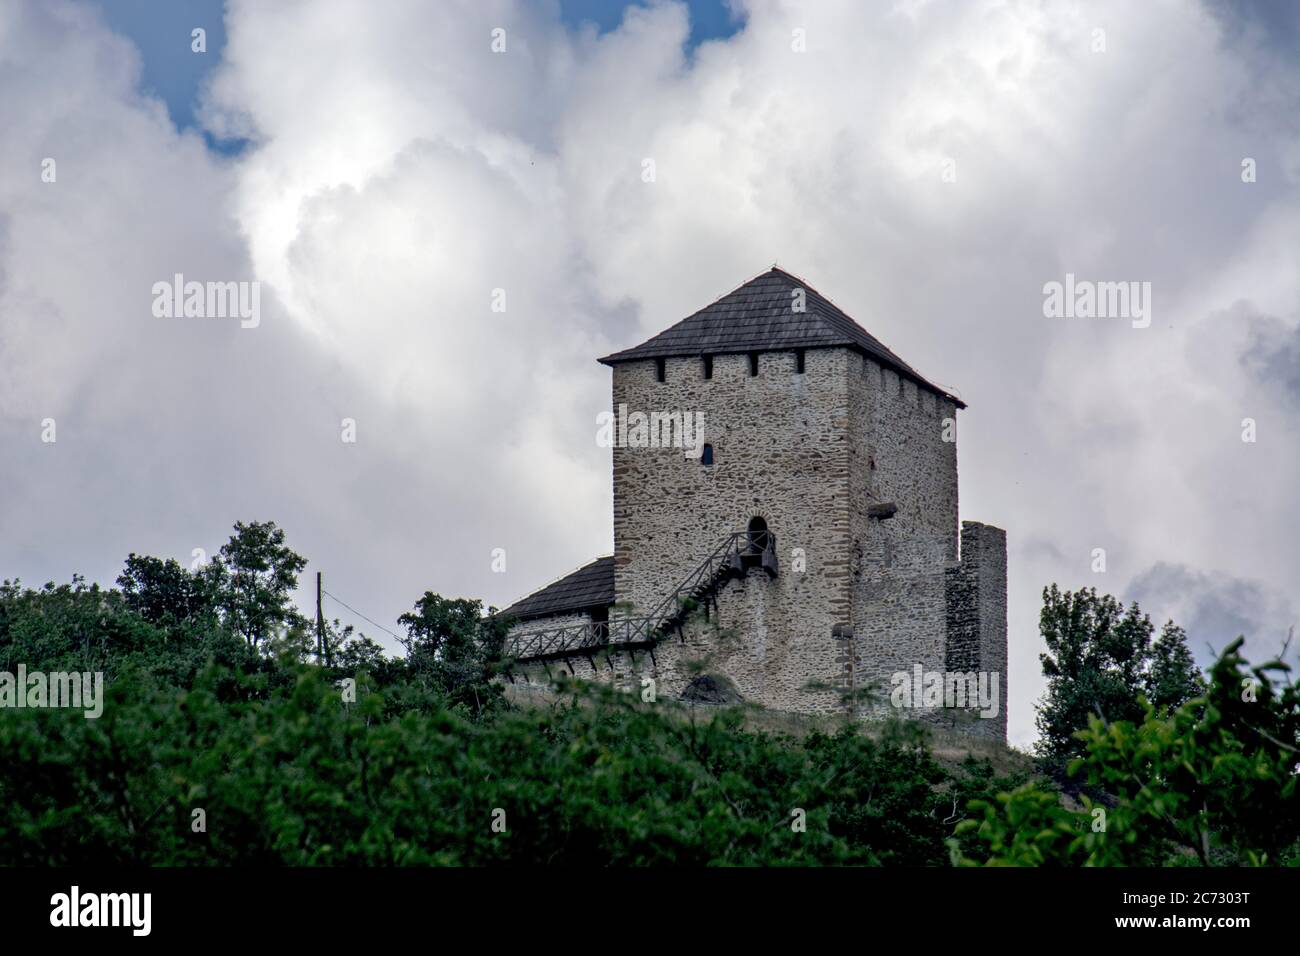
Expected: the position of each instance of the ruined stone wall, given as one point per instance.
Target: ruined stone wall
(976, 602)
(899, 456)
(781, 451)
(620, 668)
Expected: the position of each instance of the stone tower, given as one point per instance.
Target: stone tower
(809, 509)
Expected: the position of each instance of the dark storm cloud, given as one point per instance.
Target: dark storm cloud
(1214, 609)
(1272, 355)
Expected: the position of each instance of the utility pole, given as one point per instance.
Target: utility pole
(320, 623)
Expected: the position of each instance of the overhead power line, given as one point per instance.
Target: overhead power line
(362, 616)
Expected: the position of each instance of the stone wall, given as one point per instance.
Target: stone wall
(976, 602)
(899, 457)
(859, 597)
(781, 452)
(620, 668)
(733, 639)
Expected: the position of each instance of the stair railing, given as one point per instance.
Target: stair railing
(728, 559)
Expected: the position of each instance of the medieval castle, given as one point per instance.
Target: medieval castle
(802, 546)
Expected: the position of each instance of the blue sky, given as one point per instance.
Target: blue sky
(161, 32)
(174, 73)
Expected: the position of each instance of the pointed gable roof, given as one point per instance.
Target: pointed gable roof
(757, 317)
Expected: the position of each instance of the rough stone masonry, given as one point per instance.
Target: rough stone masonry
(813, 537)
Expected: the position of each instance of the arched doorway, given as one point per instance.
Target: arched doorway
(758, 536)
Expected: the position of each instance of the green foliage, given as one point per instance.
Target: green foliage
(162, 592)
(453, 631)
(972, 788)
(301, 778)
(1101, 662)
(453, 647)
(215, 702)
(257, 574)
(1024, 827)
(1173, 678)
(1212, 782)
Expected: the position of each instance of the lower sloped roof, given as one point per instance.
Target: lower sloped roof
(591, 586)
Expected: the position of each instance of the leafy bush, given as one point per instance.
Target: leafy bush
(301, 778)
(225, 739)
(1213, 782)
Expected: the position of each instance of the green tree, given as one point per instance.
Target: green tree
(1100, 661)
(1173, 678)
(259, 572)
(1213, 782)
(163, 592)
(1095, 649)
(454, 646)
(69, 626)
(441, 629)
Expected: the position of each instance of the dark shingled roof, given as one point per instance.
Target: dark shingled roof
(757, 317)
(591, 586)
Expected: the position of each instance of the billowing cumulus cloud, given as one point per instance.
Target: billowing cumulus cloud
(928, 166)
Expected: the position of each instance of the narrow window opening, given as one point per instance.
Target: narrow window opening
(798, 361)
(708, 366)
(706, 457)
(753, 363)
(659, 370)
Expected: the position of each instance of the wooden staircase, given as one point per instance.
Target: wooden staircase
(731, 558)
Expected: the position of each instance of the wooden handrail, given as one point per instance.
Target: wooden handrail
(648, 630)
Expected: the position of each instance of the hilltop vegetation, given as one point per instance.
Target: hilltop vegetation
(227, 737)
